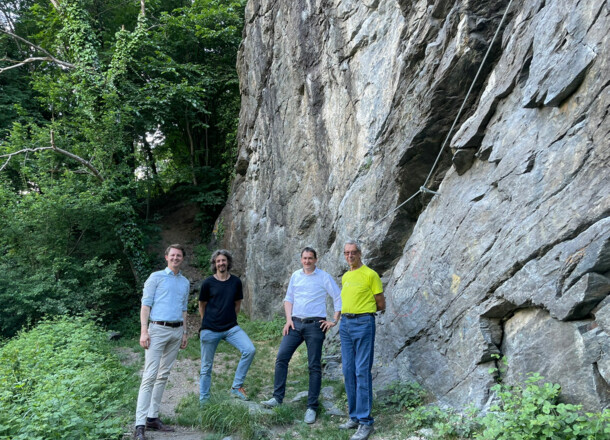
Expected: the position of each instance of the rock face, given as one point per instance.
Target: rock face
(346, 104)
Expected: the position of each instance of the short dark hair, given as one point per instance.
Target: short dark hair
(175, 246)
(309, 249)
(216, 254)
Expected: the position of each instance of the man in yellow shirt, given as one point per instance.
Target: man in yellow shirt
(361, 296)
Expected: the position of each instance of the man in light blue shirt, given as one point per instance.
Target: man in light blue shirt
(163, 304)
(305, 309)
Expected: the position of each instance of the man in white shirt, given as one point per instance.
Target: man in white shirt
(305, 309)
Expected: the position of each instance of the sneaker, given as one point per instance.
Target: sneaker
(271, 403)
(350, 424)
(310, 416)
(203, 402)
(364, 431)
(240, 393)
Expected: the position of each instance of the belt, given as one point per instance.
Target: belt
(307, 320)
(167, 323)
(355, 315)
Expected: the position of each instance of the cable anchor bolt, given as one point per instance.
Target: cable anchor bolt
(429, 191)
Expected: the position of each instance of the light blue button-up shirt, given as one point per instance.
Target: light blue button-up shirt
(166, 294)
(307, 293)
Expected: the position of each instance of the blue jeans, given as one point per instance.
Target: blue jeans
(357, 350)
(209, 341)
(313, 336)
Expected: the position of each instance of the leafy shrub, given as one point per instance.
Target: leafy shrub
(66, 286)
(60, 381)
(445, 423)
(60, 253)
(524, 412)
(531, 411)
(403, 396)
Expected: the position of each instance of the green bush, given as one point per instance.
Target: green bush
(528, 411)
(531, 411)
(61, 252)
(60, 381)
(445, 423)
(402, 396)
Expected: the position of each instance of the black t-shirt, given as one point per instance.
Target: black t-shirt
(220, 296)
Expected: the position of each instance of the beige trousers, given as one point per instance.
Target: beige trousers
(159, 359)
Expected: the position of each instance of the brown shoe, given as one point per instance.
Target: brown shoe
(157, 425)
(139, 434)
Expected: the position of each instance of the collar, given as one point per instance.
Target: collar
(315, 271)
(222, 281)
(168, 271)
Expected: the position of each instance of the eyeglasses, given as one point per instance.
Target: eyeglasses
(351, 253)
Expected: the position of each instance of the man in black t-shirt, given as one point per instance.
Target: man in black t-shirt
(219, 303)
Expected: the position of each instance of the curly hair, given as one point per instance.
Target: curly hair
(215, 255)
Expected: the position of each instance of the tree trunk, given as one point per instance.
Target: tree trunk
(192, 150)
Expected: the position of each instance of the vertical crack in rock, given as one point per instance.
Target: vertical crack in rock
(445, 97)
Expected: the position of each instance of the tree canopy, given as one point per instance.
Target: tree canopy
(106, 107)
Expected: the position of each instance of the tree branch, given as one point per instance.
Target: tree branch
(55, 4)
(76, 158)
(79, 159)
(23, 62)
(25, 150)
(34, 46)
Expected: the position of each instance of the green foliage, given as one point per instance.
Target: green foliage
(402, 396)
(221, 415)
(528, 411)
(282, 415)
(208, 194)
(129, 328)
(532, 411)
(59, 381)
(224, 415)
(138, 106)
(58, 254)
(192, 350)
(262, 330)
(444, 423)
(201, 259)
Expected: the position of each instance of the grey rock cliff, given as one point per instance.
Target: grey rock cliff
(345, 106)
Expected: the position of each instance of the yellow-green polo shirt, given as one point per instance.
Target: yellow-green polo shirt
(358, 289)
